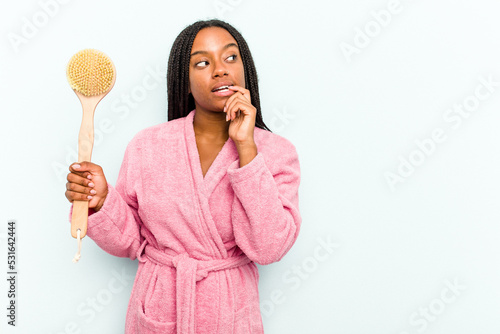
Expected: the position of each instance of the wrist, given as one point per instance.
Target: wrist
(100, 203)
(245, 144)
(247, 152)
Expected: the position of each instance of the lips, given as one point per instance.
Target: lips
(220, 89)
(222, 86)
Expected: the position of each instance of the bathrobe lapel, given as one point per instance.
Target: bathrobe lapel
(204, 186)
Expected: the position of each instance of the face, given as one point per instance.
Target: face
(215, 62)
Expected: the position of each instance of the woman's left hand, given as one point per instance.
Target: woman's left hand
(241, 112)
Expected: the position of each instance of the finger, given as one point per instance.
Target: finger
(80, 189)
(74, 196)
(243, 91)
(239, 105)
(75, 178)
(85, 166)
(77, 169)
(230, 100)
(233, 109)
(87, 169)
(230, 103)
(82, 174)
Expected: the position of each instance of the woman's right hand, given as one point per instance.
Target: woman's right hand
(86, 182)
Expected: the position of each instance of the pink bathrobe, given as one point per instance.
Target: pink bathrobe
(198, 238)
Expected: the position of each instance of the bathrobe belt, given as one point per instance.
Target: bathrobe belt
(188, 272)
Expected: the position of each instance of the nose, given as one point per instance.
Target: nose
(220, 70)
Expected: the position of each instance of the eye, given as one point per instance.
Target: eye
(231, 57)
(201, 63)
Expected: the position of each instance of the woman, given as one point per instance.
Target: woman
(201, 198)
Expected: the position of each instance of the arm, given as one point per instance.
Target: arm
(116, 226)
(265, 211)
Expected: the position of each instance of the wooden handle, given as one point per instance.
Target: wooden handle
(86, 135)
(80, 213)
(79, 218)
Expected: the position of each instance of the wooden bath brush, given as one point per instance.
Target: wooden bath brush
(91, 74)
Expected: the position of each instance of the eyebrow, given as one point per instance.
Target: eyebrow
(205, 52)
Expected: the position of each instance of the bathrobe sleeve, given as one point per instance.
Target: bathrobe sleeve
(116, 226)
(265, 210)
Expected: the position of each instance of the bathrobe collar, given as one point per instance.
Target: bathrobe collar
(218, 169)
(204, 187)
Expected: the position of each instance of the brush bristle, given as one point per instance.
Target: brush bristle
(90, 72)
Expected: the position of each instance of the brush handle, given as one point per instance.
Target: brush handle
(79, 216)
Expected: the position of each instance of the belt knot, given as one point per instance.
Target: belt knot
(186, 262)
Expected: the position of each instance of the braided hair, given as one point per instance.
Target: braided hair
(180, 101)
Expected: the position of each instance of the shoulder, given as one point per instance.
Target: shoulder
(270, 142)
(278, 152)
(158, 132)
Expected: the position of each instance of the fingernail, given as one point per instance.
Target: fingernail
(76, 166)
(91, 184)
(89, 177)
(93, 192)
(89, 197)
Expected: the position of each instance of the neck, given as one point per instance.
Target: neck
(211, 125)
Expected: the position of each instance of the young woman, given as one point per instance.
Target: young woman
(201, 198)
